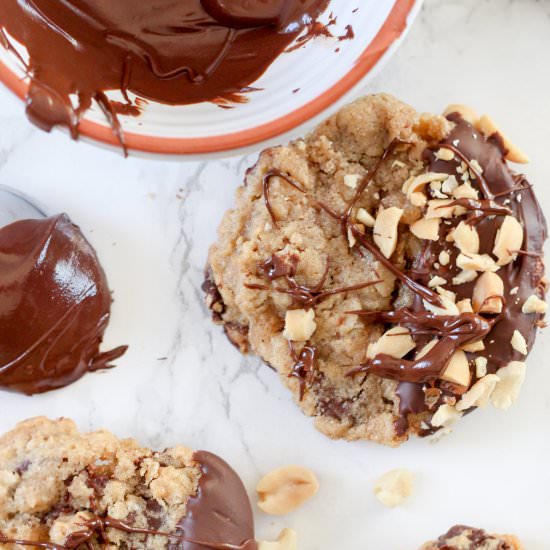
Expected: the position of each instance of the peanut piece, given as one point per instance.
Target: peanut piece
(394, 487)
(364, 217)
(299, 324)
(457, 369)
(465, 191)
(508, 240)
(351, 180)
(417, 183)
(465, 306)
(511, 378)
(466, 238)
(481, 366)
(439, 208)
(476, 262)
(518, 342)
(474, 347)
(487, 294)
(426, 229)
(465, 276)
(534, 304)
(445, 416)
(466, 112)
(479, 394)
(487, 126)
(385, 229)
(396, 342)
(283, 490)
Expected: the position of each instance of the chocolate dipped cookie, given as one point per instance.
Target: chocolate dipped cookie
(388, 266)
(461, 537)
(62, 489)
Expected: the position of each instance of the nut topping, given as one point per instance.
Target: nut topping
(396, 342)
(479, 394)
(481, 366)
(283, 490)
(518, 342)
(457, 369)
(364, 217)
(439, 208)
(417, 183)
(534, 304)
(445, 416)
(426, 229)
(299, 324)
(394, 487)
(476, 262)
(466, 238)
(385, 229)
(488, 293)
(351, 180)
(465, 276)
(508, 240)
(487, 126)
(466, 112)
(511, 378)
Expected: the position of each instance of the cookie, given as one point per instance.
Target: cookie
(55, 305)
(388, 267)
(461, 537)
(63, 489)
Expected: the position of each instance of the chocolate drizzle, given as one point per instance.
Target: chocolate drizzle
(304, 365)
(454, 331)
(302, 295)
(172, 52)
(219, 517)
(54, 306)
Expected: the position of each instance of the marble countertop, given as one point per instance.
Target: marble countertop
(182, 382)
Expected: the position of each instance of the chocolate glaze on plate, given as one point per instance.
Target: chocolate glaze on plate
(177, 53)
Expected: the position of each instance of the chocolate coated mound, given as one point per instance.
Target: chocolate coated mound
(55, 305)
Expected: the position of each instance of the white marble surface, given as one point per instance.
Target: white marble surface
(152, 222)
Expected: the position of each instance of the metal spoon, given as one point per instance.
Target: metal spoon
(15, 205)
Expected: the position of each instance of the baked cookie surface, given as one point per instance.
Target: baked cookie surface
(461, 537)
(65, 489)
(388, 267)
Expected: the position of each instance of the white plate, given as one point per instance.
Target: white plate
(297, 87)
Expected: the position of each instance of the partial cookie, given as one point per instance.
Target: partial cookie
(61, 487)
(461, 537)
(388, 267)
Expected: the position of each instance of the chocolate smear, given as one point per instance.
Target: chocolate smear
(176, 53)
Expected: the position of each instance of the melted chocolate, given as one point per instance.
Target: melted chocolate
(172, 52)
(454, 331)
(500, 189)
(302, 295)
(304, 365)
(54, 306)
(219, 517)
(220, 511)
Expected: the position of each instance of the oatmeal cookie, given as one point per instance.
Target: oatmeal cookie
(461, 537)
(388, 267)
(63, 489)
